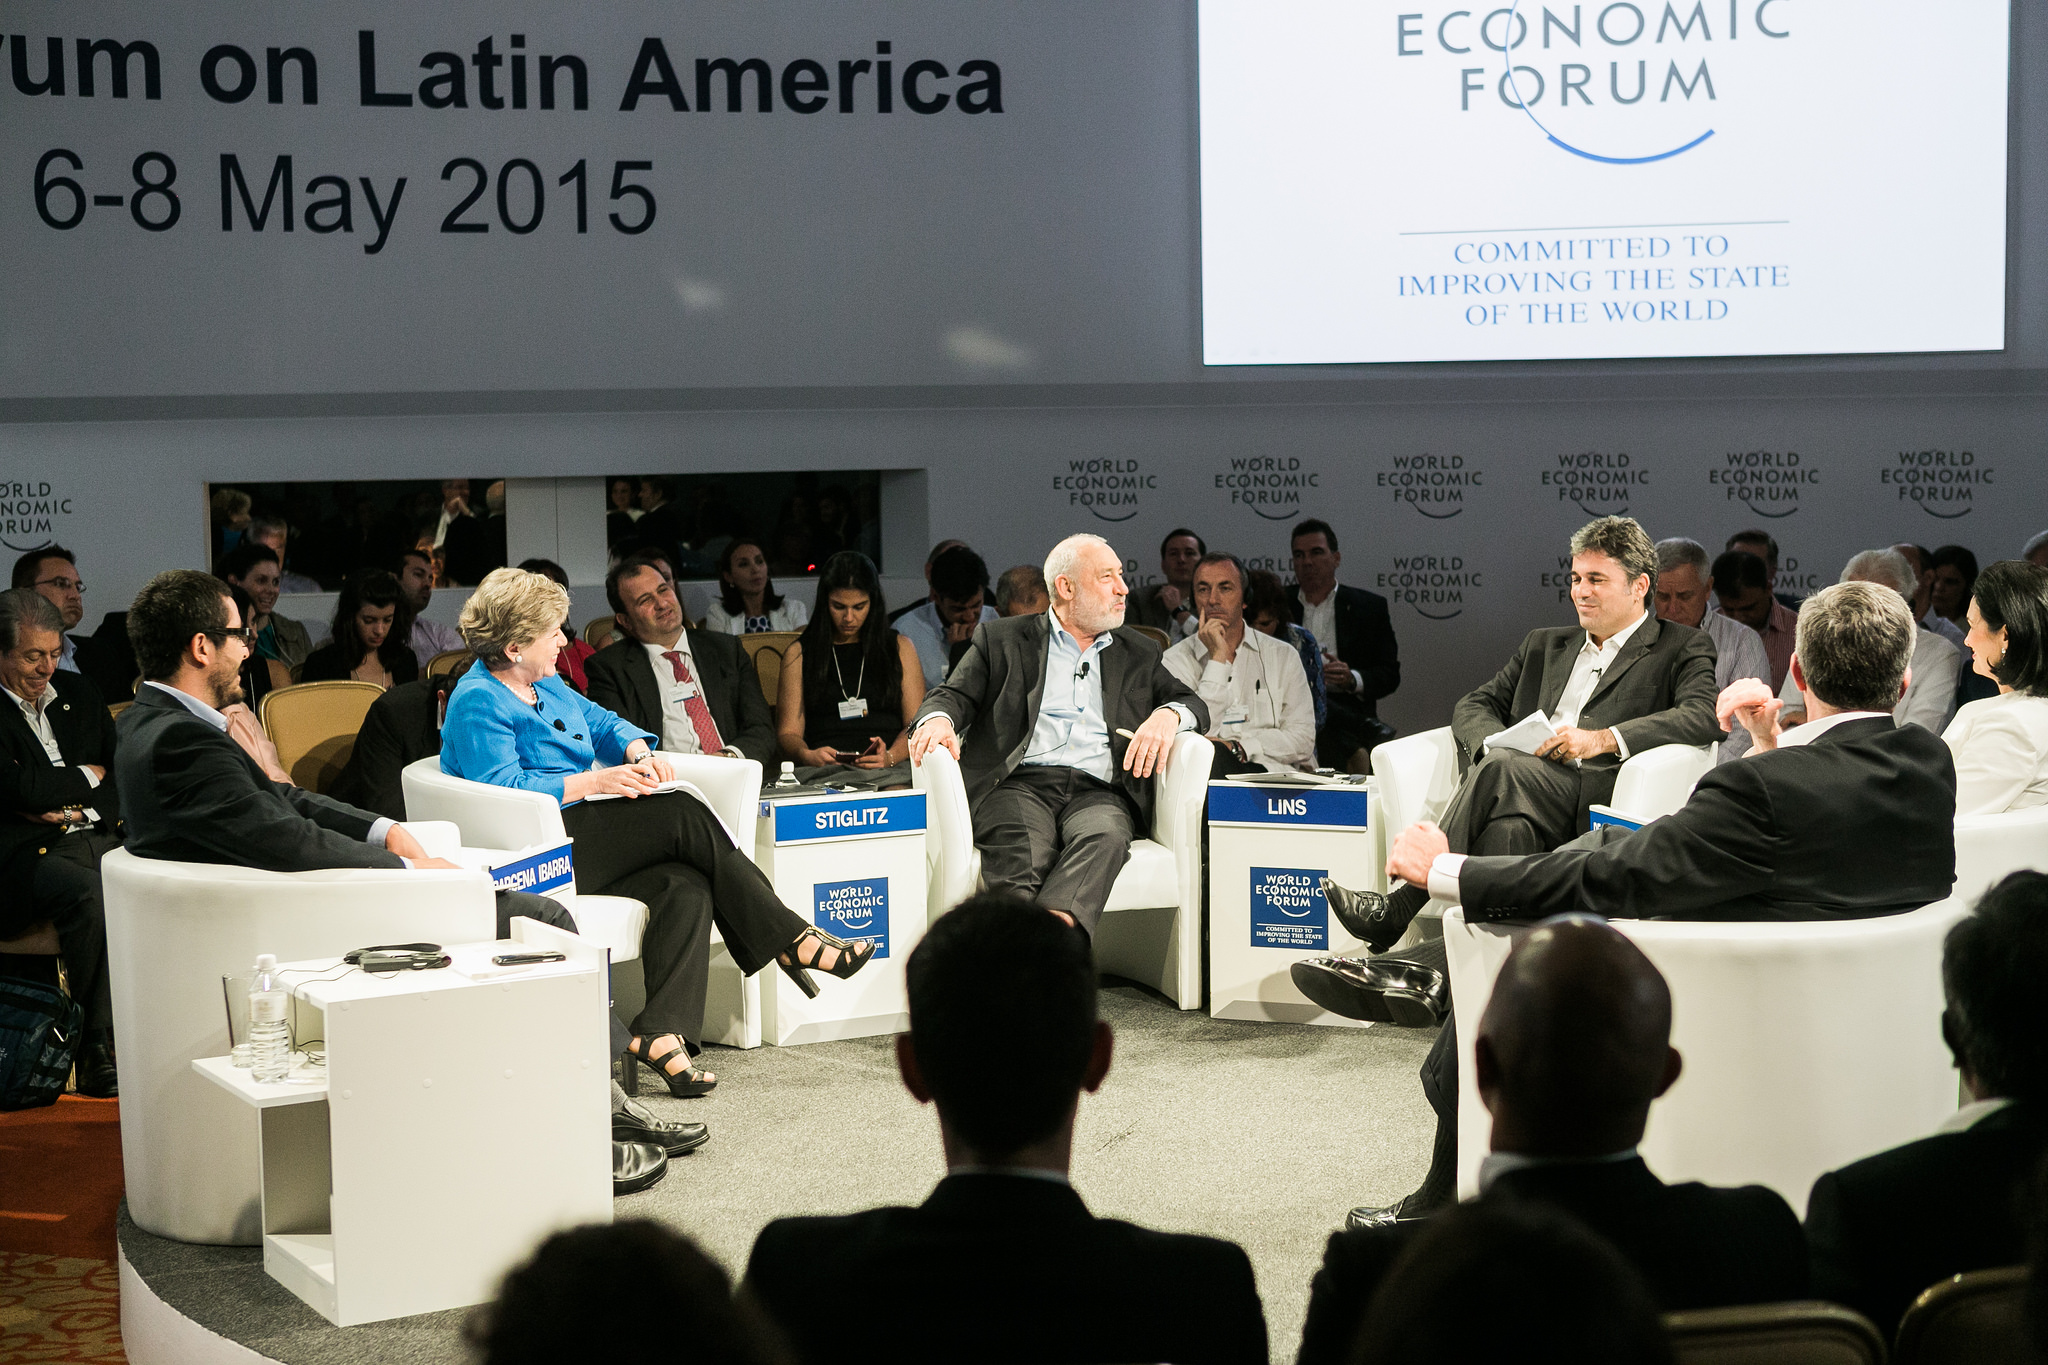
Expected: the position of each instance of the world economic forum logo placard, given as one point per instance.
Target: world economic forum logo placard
(1289, 909)
(856, 909)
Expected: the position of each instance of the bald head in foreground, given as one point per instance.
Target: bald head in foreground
(1573, 1049)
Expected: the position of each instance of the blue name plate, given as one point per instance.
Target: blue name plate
(857, 909)
(849, 818)
(550, 869)
(1288, 909)
(1241, 803)
(1607, 815)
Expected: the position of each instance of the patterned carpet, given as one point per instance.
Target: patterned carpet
(60, 1185)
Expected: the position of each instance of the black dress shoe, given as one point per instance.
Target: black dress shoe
(636, 1166)
(1376, 921)
(94, 1067)
(637, 1123)
(1409, 1210)
(1381, 990)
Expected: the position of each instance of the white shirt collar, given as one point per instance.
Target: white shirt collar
(1814, 729)
(1616, 641)
(1106, 638)
(1971, 1114)
(682, 647)
(193, 704)
(1023, 1172)
(1497, 1164)
(35, 709)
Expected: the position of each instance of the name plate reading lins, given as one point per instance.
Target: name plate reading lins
(1235, 803)
(848, 818)
(539, 871)
(854, 909)
(1289, 909)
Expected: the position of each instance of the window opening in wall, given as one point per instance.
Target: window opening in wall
(798, 519)
(326, 530)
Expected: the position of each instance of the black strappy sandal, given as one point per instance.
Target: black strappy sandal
(687, 1084)
(800, 957)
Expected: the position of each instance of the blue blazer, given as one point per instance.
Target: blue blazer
(492, 736)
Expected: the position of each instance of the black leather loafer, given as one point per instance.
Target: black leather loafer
(94, 1068)
(1380, 990)
(637, 1123)
(1370, 1216)
(1367, 916)
(636, 1166)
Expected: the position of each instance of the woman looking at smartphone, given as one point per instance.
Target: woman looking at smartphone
(850, 680)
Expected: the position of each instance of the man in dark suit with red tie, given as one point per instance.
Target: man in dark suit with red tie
(695, 688)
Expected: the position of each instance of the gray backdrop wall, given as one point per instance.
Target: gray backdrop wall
(1002, 306)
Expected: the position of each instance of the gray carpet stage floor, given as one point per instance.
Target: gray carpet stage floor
(1262, 1133)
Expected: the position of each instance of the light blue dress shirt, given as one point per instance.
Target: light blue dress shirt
(1073, 729)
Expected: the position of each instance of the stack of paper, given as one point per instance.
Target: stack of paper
(1524, 735)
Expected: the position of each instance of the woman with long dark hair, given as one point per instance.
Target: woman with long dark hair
(2000, 743)
(850, 682)
(372, 635)
(747, 602)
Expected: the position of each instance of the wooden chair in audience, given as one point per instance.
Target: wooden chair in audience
(597, 632)
(115, 709)
(1155, 635)
(766, 649)
(1803, 1333)
(446, 662)
(314, 727)
(1973, 1319)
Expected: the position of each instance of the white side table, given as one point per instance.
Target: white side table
(1269, 849)
(460, 1122)
(853, 864)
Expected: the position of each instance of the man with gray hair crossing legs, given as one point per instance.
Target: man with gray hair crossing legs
(1058, 721)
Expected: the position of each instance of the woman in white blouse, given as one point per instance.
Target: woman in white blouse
(747, 602)
(2001, 743)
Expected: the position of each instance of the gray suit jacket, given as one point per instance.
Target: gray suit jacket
(1659, 690)
(992, 697)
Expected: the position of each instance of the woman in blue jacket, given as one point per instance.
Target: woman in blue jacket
(513, 723)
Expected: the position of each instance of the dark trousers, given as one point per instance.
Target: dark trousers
(670, 852)
(1055, 835)
(1349, 725)
(64, 889)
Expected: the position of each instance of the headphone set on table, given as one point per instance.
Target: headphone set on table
(388, 958)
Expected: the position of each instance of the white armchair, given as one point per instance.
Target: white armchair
(1151, 930)
(1806, 1045)
(173, 931)
(1418, 775)
(1989, 847)
(507, 819)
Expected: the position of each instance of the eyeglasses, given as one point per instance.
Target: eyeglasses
(226, 633)
(64, 584)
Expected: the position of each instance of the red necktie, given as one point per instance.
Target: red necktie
(700, 714)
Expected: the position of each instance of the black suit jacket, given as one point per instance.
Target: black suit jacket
(1365, 640)
(1007, 1268)
(401, 727)
(621, 678)
(1696, 1246)
(189, 794)
(1859, 822)
(992, 697)
(1889, 1226)
(108, 666)
(30, 784)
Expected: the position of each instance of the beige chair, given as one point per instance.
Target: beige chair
(314, 727)
(446, 662)
(766, 649)
(1804, 1333)
(115, 709)
(1155, 635)
(597, 632)
(1972, 1319)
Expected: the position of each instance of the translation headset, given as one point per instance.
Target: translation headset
(398, 957)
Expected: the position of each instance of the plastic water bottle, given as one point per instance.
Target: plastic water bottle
(788, 778)
(269, 1035)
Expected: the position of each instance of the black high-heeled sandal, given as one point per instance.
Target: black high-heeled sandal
(797, 962)
(687, 1084)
